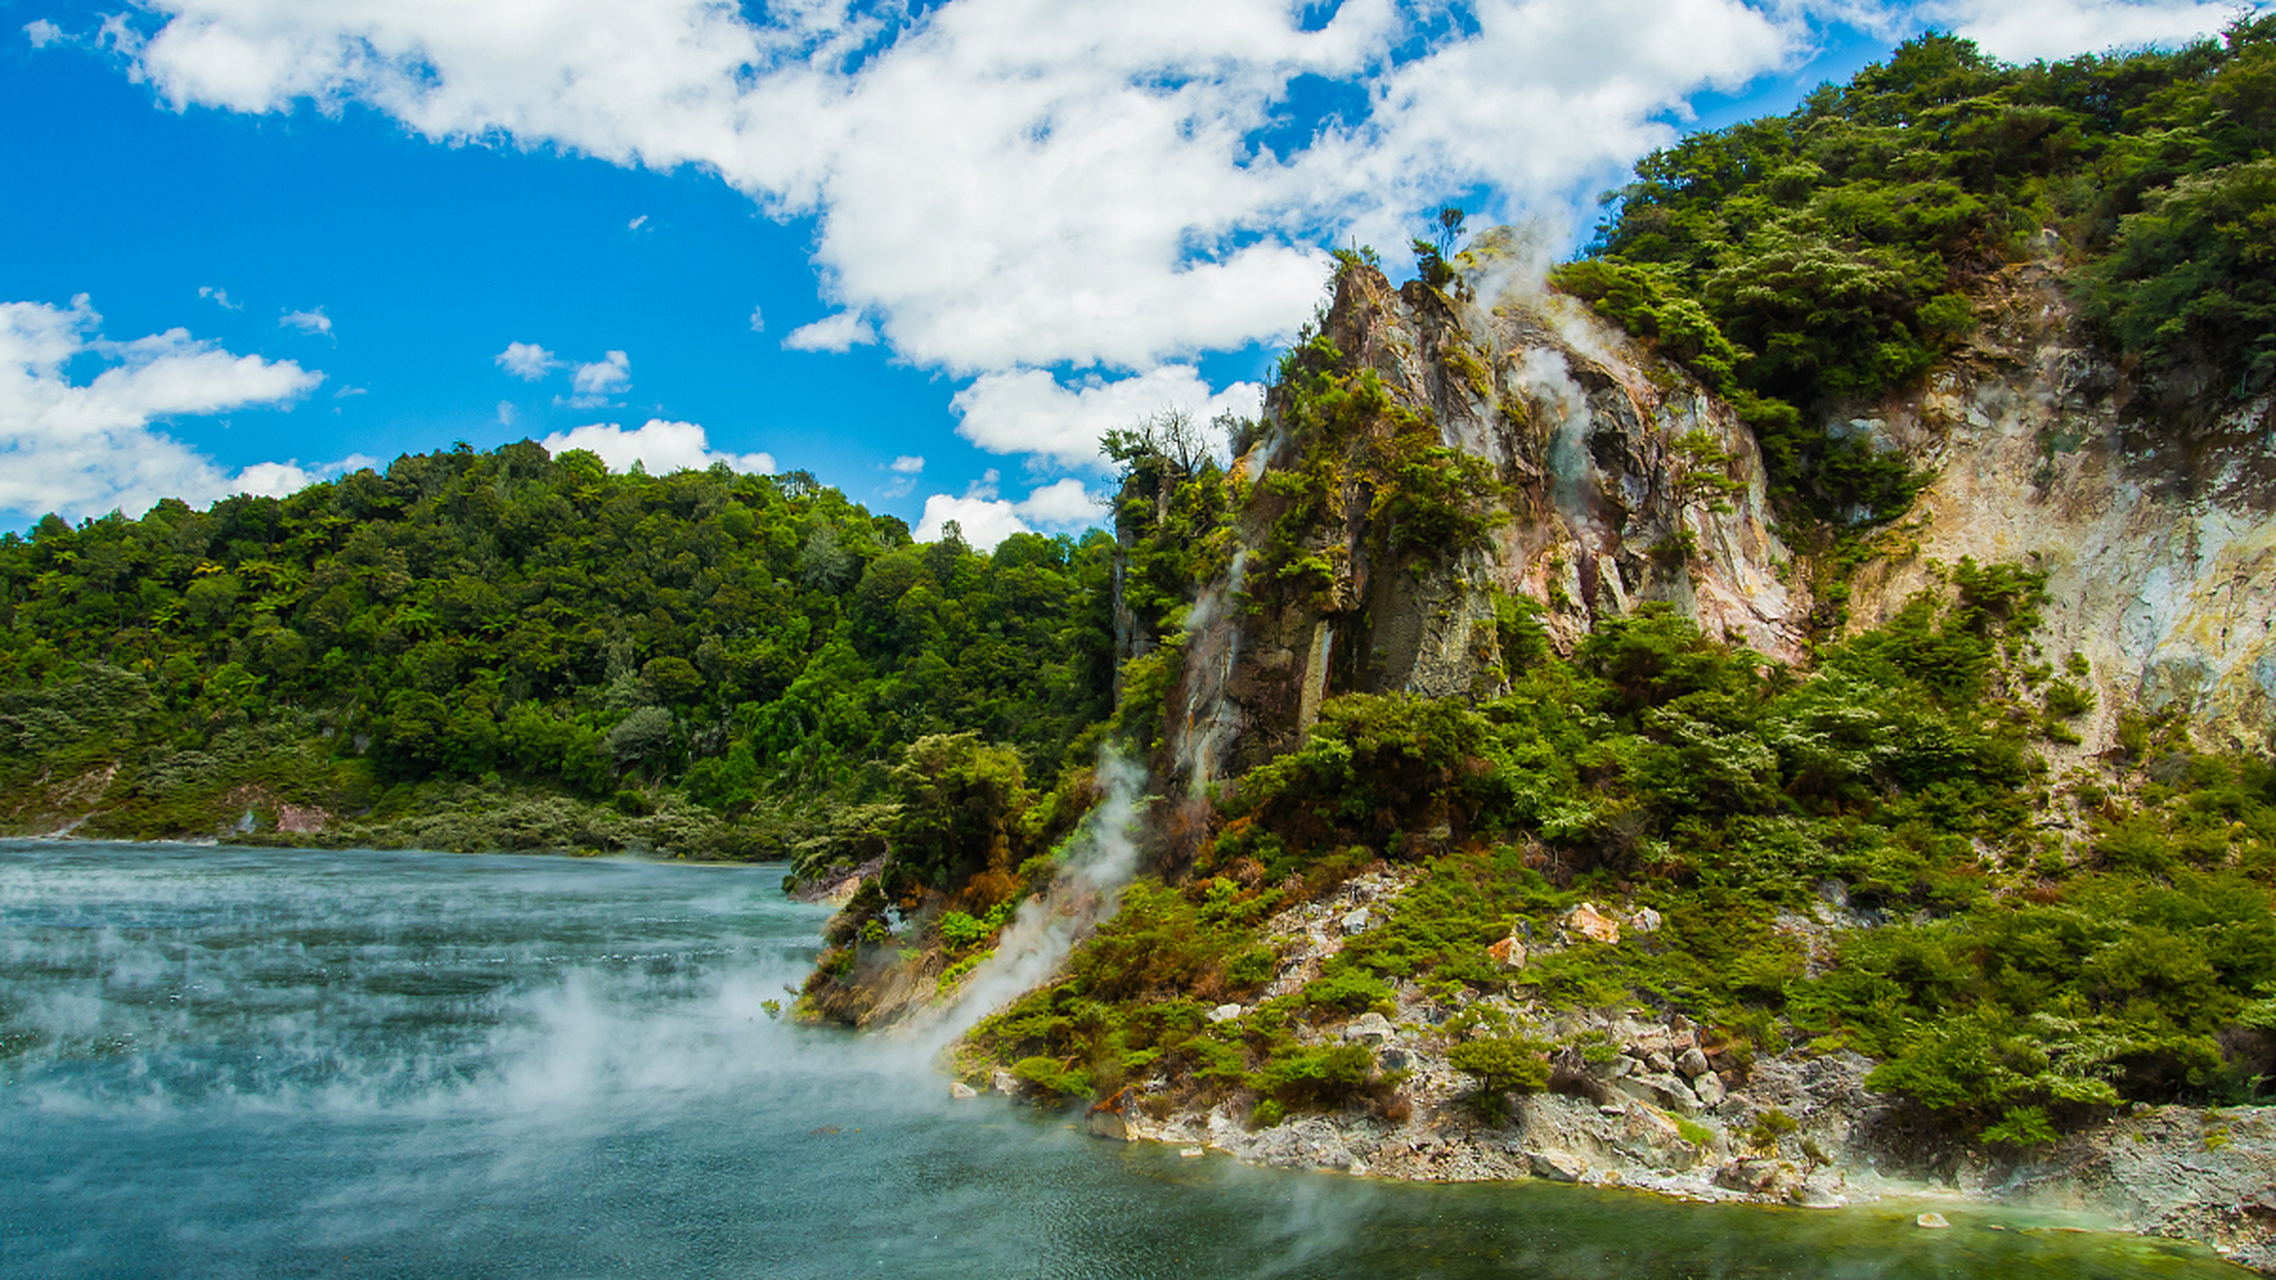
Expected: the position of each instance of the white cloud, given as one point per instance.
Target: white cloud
(905, 469)
(634, 225)
(602, 378)
(312, 321)
(505, 413)
(1007, 183)
(42, 33)
(658, 446)
(1065, 504)
(986, 519)
(86, 449)
(220, 297)
(758, 321)
(527, 361)
(840, 332)
(344, 392)
(2021, 30)
(984, 522)
(1031, 412)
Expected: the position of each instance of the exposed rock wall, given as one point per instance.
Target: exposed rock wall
(1577, 422)
(2158, 541)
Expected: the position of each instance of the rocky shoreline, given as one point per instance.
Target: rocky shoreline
(1641, 1101)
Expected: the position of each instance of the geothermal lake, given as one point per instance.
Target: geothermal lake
(219, 1062)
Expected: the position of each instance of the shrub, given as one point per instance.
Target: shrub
(1501, 1065)
(1053, 1076)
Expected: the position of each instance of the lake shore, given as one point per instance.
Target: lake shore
(1654, 1103)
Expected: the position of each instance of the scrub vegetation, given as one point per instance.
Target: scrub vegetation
(510, 650)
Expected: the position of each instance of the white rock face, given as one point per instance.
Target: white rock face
(2158, 541)
(2156, 536)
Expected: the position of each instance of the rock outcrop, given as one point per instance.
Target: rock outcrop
(2158, 542)
(1594, 513)
(2158, 537)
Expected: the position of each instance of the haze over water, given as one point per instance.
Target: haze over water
(225, 1062)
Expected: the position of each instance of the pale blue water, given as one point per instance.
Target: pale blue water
(222, 1062)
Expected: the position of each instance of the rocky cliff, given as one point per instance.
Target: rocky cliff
(1611, 478)
(2156, 527)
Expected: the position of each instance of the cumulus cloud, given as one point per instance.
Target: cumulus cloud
(983, 522)
(527, 361)
(42, 33)
(1006, 183)
(84, 449)
(841, 332)
(1064, 504)
(1029, 411)
(219, 297)
(905, 469)
(658, 446)
(758, 320)
(310, 321)
(602, 378)
(986, 519)
(1003, 186)
(2021, 30)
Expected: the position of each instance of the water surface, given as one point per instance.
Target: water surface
(221, 1062)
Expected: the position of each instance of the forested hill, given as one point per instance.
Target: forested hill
(1807, 262)
(508, 649)
(1470, 815)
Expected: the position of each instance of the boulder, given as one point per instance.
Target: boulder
(1225, 1013)
(1558, 1166)
(1709, 1087)
(1934, 1221)
(1693, 1063)
(1359, 921)
(1761, 1176)
(1592, 924)
(1816, 1193)
(1644, 920)
(1369, 1028)
(1509, 952)
(959, 1089)
(1659, 1089)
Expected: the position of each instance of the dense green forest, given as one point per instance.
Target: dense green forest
(1804, 261)
(705, 661)
(2021, 949)
(511, 650)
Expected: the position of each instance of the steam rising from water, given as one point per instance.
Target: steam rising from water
(285, 1063)
(1086, 890)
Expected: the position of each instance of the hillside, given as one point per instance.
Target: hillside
(1741, 737)
(1784, 704)
(511, 650)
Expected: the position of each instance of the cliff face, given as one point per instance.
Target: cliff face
(2158, 544)
(2157, 532)
(1587, 507)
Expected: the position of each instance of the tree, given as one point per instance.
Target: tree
(1434, 254)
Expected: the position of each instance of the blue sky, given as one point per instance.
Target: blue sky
(926, 256)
